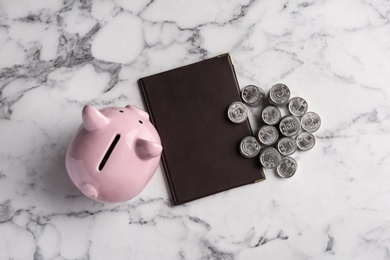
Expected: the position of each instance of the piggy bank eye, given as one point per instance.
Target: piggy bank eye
(140, 122)
(121, 111)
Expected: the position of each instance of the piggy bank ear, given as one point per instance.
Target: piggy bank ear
(147, 149)
(92, 118)
(140, 112)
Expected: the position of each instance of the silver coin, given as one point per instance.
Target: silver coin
(279, 94)
(271, 115)
(270, 157)
(311, 122)
(305, 141)
(237, 112)
(289, 125)
(252, 95)
(286, 146)
(249, 147)
(287, 167)
(268, 134)
(297, 106)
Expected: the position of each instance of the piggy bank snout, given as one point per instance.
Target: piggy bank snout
(146, 149)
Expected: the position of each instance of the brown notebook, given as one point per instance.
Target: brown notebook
(188, 107)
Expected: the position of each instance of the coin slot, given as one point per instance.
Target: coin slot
(109, 151)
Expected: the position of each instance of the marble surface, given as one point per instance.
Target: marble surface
(57, 55)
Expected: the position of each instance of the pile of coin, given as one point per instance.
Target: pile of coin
(279, 137)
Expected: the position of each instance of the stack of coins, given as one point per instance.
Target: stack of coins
(249, 147)
(237, 112)
(279, 137)
(268, 135)
(271, 115)
(286, 146)
(279, 94)
(252, 95)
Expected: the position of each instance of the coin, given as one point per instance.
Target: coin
(289, 125)
(269, 157)
(268, 134)
(237, 112)
(271, 115)
(279, 94)
(286, 146)
(287, 167)
(249, 147)
(311, 122)
(252, 95)
(305, 141)
(297, 106)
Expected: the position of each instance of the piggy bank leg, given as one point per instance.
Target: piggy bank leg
(89, 190)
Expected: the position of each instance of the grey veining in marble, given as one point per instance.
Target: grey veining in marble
(56, 56)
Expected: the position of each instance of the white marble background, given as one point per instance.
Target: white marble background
(57, 55)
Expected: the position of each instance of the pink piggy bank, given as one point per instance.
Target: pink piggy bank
(114, 153)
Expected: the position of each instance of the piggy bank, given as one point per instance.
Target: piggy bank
(114, 153)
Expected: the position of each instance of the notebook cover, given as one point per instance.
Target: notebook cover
(188, 107)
